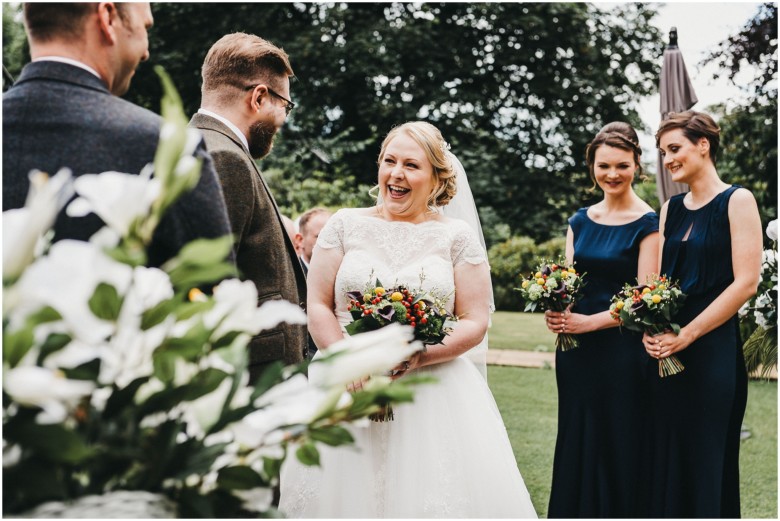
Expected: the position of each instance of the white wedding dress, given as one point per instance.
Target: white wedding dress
(447, 454)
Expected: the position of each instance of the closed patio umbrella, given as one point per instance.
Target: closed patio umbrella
(677, 95)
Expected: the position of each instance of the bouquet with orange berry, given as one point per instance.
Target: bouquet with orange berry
(553, 286)
(376, 307)
(651, 308)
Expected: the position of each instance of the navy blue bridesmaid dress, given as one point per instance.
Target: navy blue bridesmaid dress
(697, 414)
(601, 450)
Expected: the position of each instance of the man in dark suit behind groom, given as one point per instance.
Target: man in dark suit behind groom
(245, 100)
(64, 111)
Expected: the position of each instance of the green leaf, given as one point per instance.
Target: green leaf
(272, 467)
(239, 478)
(308, 454)
(16, 344)
(52, 441)
(45, 314)
(333, 435)
(191, 276)
(105, 302)
(121, 398)
(188, 309)
(362, 325)
(54, 342)
(156, 314)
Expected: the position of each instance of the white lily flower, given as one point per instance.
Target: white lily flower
(291, 402)
(257, 499)
(366, 354)
(128, 355)
(11, 454)
(116, 197)
(23, 228)
(149, 287)
(771, 229)
(206, 410)
(65, 279)
(236, 308)
(50, 390)
(72, 355)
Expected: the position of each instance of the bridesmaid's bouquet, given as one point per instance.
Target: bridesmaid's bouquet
(554, 286)
(375, 307)
(651, 308)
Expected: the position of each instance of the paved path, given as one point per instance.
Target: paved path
(538, 359)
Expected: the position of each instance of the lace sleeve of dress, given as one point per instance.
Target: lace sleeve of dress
(332, 234)
(466, 247)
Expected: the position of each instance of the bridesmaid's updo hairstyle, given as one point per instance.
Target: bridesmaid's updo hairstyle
(694, 126)
(436, 150)
(618, 135)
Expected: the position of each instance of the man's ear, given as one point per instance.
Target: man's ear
(257, 97)
(108, 18)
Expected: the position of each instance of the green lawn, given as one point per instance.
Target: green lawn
(525, 331)
(527, 399)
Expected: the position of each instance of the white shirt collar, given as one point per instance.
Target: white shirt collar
(69, 61)
(240, 135)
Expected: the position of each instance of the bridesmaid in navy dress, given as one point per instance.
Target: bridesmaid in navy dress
(711, 242)
(602, 390)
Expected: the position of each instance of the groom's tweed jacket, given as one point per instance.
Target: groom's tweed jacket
(57, 115)
(264, 252)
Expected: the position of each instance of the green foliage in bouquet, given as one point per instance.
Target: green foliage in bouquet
(375, 307)
(120, 377)
(760, 348)
(651, 308)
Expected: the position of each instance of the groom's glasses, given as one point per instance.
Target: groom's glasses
(288, 105)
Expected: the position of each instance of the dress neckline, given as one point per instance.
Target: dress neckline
(383, 220)
(705, 205)
(616, 225)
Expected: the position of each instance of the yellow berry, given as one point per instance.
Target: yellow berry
(379, 291)
(540, 281)
(619, 304)
(572, 270)
(396, 296)
(525, 284)
(656, 299)
(645, 291)
(538, 274)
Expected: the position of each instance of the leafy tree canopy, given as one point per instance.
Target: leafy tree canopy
(518, 89)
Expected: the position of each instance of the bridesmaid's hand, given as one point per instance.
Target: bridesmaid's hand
(666, 344)
(567, 322)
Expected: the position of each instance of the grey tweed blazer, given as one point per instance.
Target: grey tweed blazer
(58, 115)
(264, 252)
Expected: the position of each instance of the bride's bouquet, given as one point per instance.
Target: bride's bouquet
(553, 286)
(375, 307)
(651, 308)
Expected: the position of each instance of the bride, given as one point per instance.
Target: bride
(447, 454)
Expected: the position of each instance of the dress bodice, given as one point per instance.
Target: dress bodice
(701, 262)
(397, 253)
(608, 255)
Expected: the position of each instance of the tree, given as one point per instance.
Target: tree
(749, 131)
(517, 89)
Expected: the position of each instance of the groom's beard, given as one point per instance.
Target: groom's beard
(261, 139)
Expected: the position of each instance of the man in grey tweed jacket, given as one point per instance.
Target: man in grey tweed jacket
(245, 100)
(63, 111)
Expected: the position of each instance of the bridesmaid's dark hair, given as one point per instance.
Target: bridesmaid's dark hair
(694, 126)
(617, 134)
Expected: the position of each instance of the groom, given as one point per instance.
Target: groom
(245, 101)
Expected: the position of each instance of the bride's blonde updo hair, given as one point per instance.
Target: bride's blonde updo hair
(431, 141)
